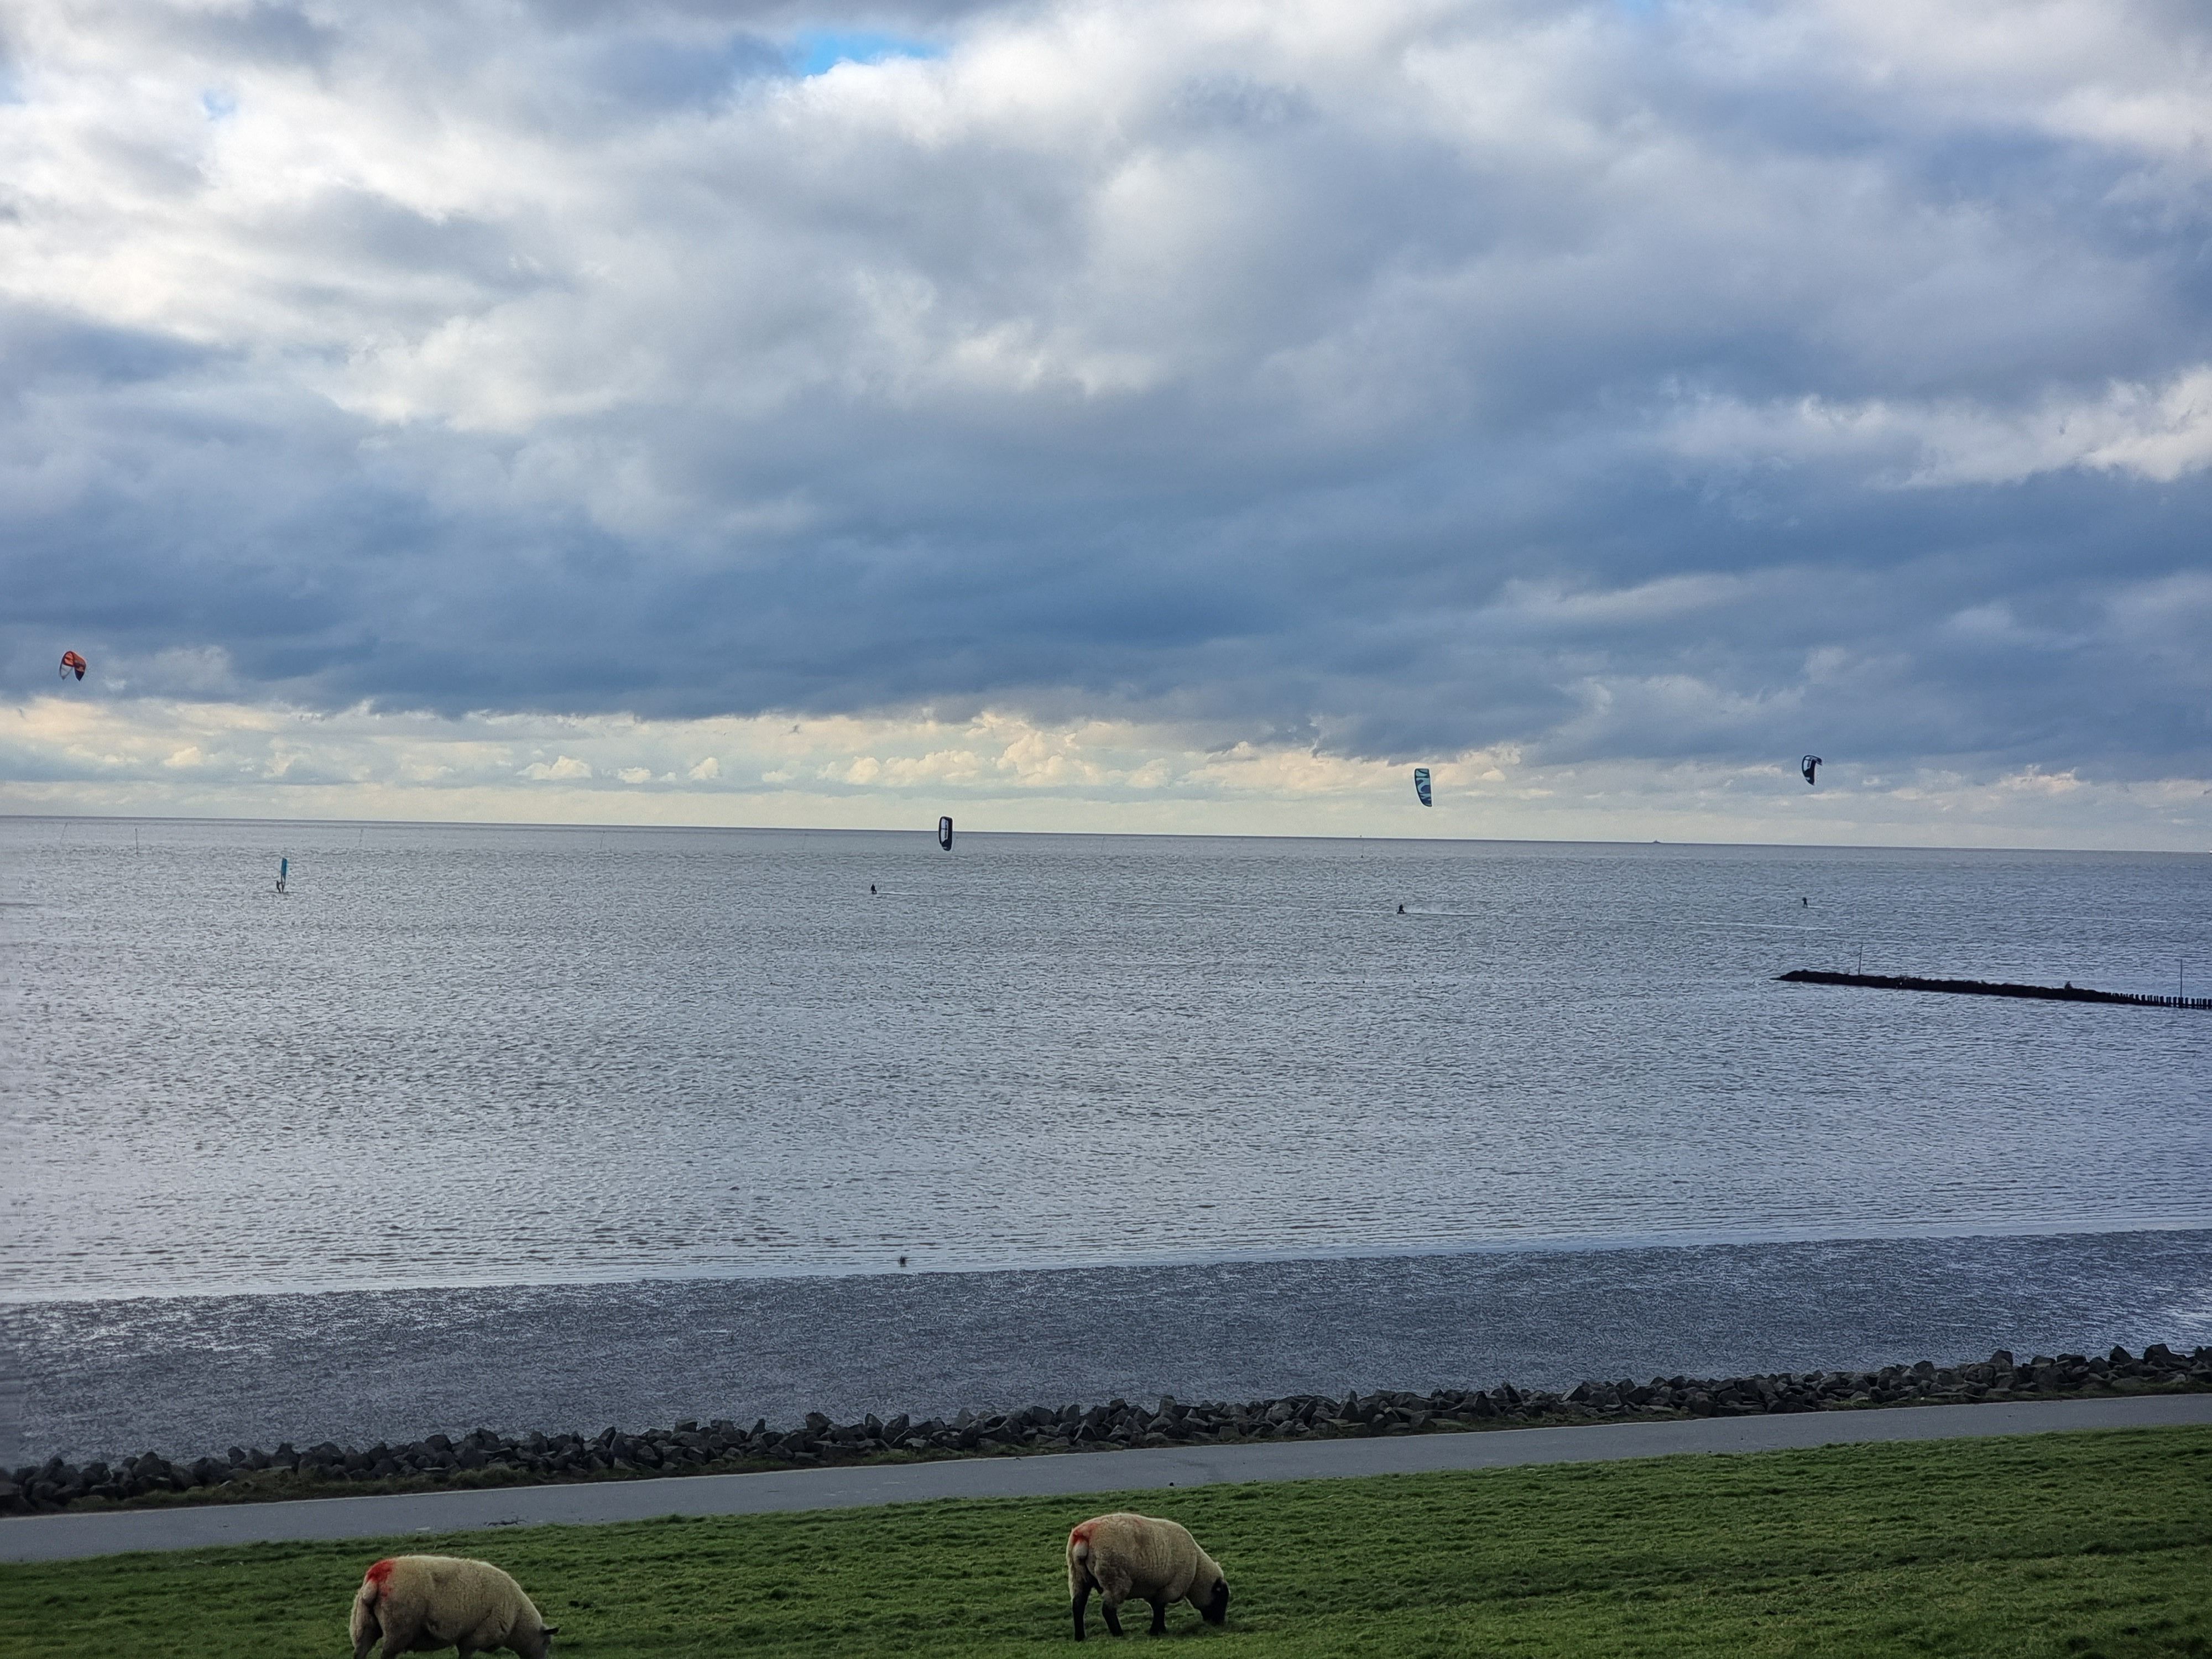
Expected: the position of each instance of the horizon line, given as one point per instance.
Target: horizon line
(930, 829)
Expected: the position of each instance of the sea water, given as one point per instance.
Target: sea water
(469, 1056)
(484, 1057)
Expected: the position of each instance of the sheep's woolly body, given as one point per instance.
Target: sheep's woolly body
(1124, 1556)
(419, 1603)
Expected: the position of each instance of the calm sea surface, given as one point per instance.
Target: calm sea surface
(481, 1056)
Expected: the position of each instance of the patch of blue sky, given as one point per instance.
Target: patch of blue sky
(217, 106)
(817, 52)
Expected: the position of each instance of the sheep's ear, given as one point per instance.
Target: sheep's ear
(552, 1630)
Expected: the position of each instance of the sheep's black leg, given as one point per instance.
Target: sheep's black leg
(1159, 1617)
(1113, 1618)
(1081, 1596)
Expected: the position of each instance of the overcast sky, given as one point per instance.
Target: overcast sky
(1114, 414)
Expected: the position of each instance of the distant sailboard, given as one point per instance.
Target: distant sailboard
(1810, 765)
(1421, 785)
(945, 834)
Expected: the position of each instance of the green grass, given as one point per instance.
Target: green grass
(2063, 1546)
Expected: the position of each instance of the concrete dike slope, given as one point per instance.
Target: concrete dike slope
(73, 1537)
(1983, 987)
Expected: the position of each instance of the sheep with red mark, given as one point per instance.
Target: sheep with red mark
(421, 1603)
(1123, 1556)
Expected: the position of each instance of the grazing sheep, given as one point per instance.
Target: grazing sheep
(1126, 1555)
(419, 1603)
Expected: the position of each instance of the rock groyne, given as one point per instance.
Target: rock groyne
(1985, 988)
(484, 1458)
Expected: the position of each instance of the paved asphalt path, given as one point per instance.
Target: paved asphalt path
(58, 1537)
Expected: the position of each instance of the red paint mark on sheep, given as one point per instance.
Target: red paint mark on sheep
(378, 1574)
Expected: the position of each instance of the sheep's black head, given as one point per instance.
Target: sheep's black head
(1216, 1607)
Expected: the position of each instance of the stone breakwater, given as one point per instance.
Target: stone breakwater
(484, 1458)
(1983, 988)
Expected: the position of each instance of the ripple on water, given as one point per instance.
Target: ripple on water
(477, 1056)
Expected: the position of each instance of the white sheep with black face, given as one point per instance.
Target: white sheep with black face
(421, 1603)
(1124, 1556)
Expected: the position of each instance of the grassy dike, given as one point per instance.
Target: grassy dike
(2064, 1545)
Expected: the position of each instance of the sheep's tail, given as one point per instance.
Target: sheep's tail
(372, 1583)
(368, 1621)
(1079, 1546)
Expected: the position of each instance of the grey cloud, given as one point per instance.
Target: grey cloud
(361, 238)
(658, 73)
(593, 16)
(1261, 401)
(1237, 102)
(256, 34)
(40, 347)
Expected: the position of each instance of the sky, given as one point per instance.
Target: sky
(1111, 414)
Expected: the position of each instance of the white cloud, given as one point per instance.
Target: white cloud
(60, 755)
(2035, 780)
(1231, 401)
(567, 766)
(436, 222)
(2158, 433)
